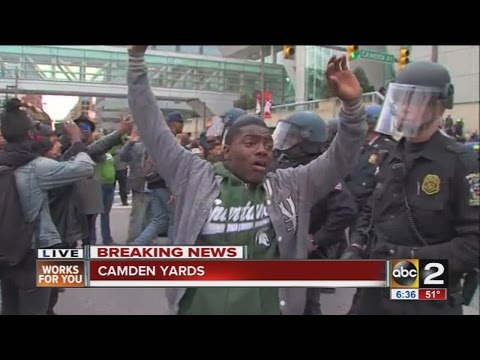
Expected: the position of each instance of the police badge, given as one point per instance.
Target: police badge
(431, 184)
(373, 159)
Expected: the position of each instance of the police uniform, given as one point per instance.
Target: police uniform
(298, 140)
(330, 217)
(440, 182)
(361, 181)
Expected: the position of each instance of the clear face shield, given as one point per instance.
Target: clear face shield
(286, 136)
(409, 109)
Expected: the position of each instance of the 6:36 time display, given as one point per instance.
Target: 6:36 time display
(403, 294)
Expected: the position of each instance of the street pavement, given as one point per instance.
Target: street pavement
(117, 201)
(108, 301)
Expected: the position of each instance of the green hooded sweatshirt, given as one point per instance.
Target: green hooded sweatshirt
(105, 170)
(239, 217)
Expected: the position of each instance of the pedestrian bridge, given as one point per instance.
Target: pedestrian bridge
(100, 71)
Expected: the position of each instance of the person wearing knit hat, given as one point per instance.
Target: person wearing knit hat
(175, 122)
(87, 128)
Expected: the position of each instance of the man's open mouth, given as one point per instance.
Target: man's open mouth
(259, 165)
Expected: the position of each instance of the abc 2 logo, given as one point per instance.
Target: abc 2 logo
(415, 273)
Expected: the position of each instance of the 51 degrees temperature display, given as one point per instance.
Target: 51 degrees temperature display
(403, 294)
(432, 294)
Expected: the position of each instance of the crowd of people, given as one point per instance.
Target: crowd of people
(455, 129)
(347, 188)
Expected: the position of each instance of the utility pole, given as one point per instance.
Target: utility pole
(434, 53)
(16, 82)
(262, 81)
(196, 126)
(204, 115)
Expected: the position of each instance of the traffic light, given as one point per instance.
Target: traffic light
(403, 59)
(352, 52)
(288, 51)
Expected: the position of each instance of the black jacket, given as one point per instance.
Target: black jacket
(332, 215)
(66, 202)
(361, 181)
(442, 187)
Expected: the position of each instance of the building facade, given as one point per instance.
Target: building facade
(463, 63)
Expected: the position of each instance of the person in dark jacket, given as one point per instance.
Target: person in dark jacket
(161, 198)
(36, 173)
(361, 181)
(426, 204)
(65, 205)
(64, 202)
(306, 140)
(88, 192)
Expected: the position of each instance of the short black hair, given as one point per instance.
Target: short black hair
(15, 122)
(242, 121)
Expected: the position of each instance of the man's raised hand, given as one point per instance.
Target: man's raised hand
(341, 80)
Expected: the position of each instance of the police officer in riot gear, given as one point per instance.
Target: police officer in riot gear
(229, 118)
(206, 139)
(378, 143)
(361, 182)
(427, 199)
(299, 139)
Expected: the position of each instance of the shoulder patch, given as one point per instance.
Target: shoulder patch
(338, 187)
(474, 191)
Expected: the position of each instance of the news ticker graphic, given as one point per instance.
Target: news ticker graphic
(225, 266)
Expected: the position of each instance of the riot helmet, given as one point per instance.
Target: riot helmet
(415, 99)
(304, 130)
(229, 118)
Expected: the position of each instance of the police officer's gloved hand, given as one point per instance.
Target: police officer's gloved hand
(354, 251)
(386, 250)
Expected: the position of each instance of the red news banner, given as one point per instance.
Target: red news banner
(197, 266)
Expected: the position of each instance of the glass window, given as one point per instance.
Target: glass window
(163, 47)
(190, 49)
(316, 60)
(211, 50)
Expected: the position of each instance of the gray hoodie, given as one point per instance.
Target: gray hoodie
(290, 192)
